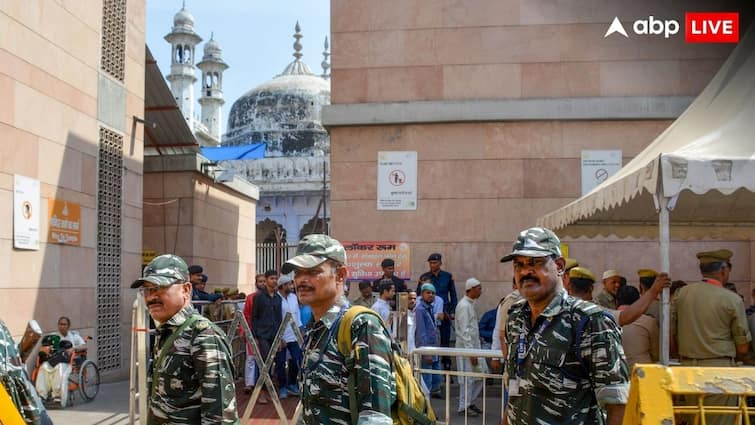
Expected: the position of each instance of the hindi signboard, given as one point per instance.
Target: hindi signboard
(397, 180)
(364, 258)
(25, 212)
(64, 220)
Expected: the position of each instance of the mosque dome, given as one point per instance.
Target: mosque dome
(183, 18)
(284, 112)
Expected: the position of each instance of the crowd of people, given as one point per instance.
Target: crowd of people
(564, 355)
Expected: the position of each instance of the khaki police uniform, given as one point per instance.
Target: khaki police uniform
(708, 321)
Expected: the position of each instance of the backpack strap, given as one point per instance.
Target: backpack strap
(579, 331)
(171, 339)
(344, 347)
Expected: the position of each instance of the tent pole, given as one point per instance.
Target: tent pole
(665, 240)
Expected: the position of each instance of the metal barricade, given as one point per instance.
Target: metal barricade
(655, 388)
(417, 354)
(140, 356)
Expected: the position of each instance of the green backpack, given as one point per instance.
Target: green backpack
(411, 405)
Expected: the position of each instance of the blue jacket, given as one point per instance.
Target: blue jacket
(426, 333)
(487, 324)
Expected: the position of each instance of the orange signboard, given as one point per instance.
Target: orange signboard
(363, 259)
(64, 222)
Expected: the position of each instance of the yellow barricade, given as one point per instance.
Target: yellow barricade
(656, 393)
(8, 413)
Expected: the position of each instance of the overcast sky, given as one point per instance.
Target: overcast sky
(256, 37)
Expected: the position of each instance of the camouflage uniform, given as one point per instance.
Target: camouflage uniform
(325, 392)
(195, 383)
(552, 385)
(15, 380)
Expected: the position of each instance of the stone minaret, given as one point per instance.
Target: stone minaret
(183, 41)
(212, 67)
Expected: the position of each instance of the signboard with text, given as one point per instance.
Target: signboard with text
(64, 220)
(397, 180)
(25, 212)
(597, 167)
(363, 259)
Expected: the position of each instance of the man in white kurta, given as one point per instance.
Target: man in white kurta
(468, 336)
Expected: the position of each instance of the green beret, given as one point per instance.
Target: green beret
(718, 256)
(581, 273)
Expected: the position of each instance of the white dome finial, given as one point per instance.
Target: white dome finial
(297, 44)
(325, 55)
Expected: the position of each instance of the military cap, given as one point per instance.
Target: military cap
(571, 263)
(471, 283)
(427, 287)
(434, 257)
(314, 250)
(202, 278)
(647, 273)
(388, 262)
(195, 269)
(718, 256)
(164, 270)
(581, 273)
(611, 273)
(535, 242)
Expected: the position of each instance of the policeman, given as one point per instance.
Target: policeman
(565, 361)
(192, 373)
(708, 324)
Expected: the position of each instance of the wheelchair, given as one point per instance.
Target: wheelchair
(84, 378)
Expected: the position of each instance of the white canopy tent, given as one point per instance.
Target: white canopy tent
(696, 179)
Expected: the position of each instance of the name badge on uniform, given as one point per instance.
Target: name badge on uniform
(514, 387)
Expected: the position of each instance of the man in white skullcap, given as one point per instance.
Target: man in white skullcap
(468, 336)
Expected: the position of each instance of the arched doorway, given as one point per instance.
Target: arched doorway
(267, 229)
(315, 225)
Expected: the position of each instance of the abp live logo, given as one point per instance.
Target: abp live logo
(711, 27)
(700, 27)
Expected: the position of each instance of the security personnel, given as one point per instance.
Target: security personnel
(192, 369)
(570, 264)
(708, 324)
(646, 278)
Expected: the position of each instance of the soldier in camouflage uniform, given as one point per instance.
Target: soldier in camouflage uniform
(320, 272)
(555, 375)
(192, 376)
(17, 383)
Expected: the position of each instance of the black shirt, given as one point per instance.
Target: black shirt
(266, 315)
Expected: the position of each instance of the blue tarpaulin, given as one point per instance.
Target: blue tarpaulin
(225, 153)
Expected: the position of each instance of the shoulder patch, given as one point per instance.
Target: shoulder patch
(202, 325)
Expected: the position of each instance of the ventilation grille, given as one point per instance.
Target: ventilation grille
(114, 38)
(110, 182)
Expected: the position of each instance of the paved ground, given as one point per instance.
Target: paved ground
(111, 408)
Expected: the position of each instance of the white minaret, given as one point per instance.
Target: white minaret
(212, 67)
(183, 40)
